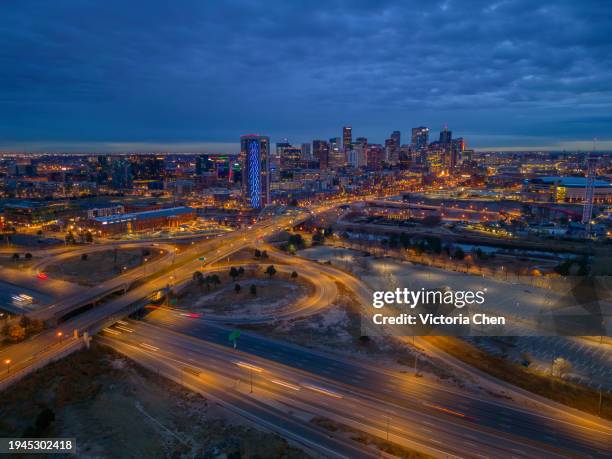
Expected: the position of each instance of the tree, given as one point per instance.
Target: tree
(233, 272)
(70, 238)
(318, 238)
(215, 279)
(563, 268)
(28, 256)
(294, 275)
(15, 256)
(25, 321)
(253, 289)
(16, 333)
(270, 271)
(459, 253)
(432, 220)
(84, 257)
(198, 278)
(297, 241)
(264, 254)
(88, 237)
(240, 271)
(44, 419)
(561, 367)
(237, 288)
(257, 253)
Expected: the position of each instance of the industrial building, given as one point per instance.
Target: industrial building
(141, 221)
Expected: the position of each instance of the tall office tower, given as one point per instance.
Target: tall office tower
(121, 174)
(455, 153)
(446, 136)
(389, 147)
(204, 164)
(255, 158)
(405, 157)
(306, 152)
(347, 138)
(320, 150)
(280, 146)
(392, 146)
(336, 153)
(290, 157)
(375, 156)
(589, 192)
(420, 137)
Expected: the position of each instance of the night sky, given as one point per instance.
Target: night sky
(194, 75)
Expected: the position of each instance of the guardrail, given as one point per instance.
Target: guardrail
(50, 354)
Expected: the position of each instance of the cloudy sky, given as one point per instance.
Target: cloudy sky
(193, 75)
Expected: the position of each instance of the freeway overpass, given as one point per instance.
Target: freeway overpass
(135, 286)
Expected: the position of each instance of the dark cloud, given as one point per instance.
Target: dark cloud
(192, 71)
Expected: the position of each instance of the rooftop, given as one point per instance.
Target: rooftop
(573, 181)
(169, 212)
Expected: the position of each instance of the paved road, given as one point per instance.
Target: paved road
(324, 292)
(26, 353)
(238, 399)
(362, 396)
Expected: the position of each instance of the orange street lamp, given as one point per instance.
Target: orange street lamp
(7, 362)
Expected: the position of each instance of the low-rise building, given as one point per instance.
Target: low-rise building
(142, 221)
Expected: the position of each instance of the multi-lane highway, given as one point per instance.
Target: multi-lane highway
(293, 383)
(136, 286)
(364, 396)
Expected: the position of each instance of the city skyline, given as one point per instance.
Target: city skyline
(507, 75)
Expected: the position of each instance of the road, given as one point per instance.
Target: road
(324, 292)
(362, 396)
(181, 268)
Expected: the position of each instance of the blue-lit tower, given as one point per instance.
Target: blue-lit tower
(255, 155)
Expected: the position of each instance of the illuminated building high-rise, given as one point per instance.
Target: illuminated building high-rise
(420, 137)
(375, 157)
(455, 153)
(392, 147)
(204, 164)
(255, 158)
(336, 153)
(347, 138)
(290, 157)
(446, 136)
(320, 150)
(306, 152)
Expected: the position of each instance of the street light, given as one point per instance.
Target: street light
(60, 335)
(7, 362)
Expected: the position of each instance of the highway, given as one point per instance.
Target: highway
(461, 424)
(324, 292)
(235, 397)
(181, 268)
(367, 398)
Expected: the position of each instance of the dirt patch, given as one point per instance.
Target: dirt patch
(100, 266)
(337, 329)
(556, 389)
(270, 294)
(115, 408)
(386, 446)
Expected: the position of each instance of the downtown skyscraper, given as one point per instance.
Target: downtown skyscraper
(255, 159)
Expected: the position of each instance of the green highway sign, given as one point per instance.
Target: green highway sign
(233, 335)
